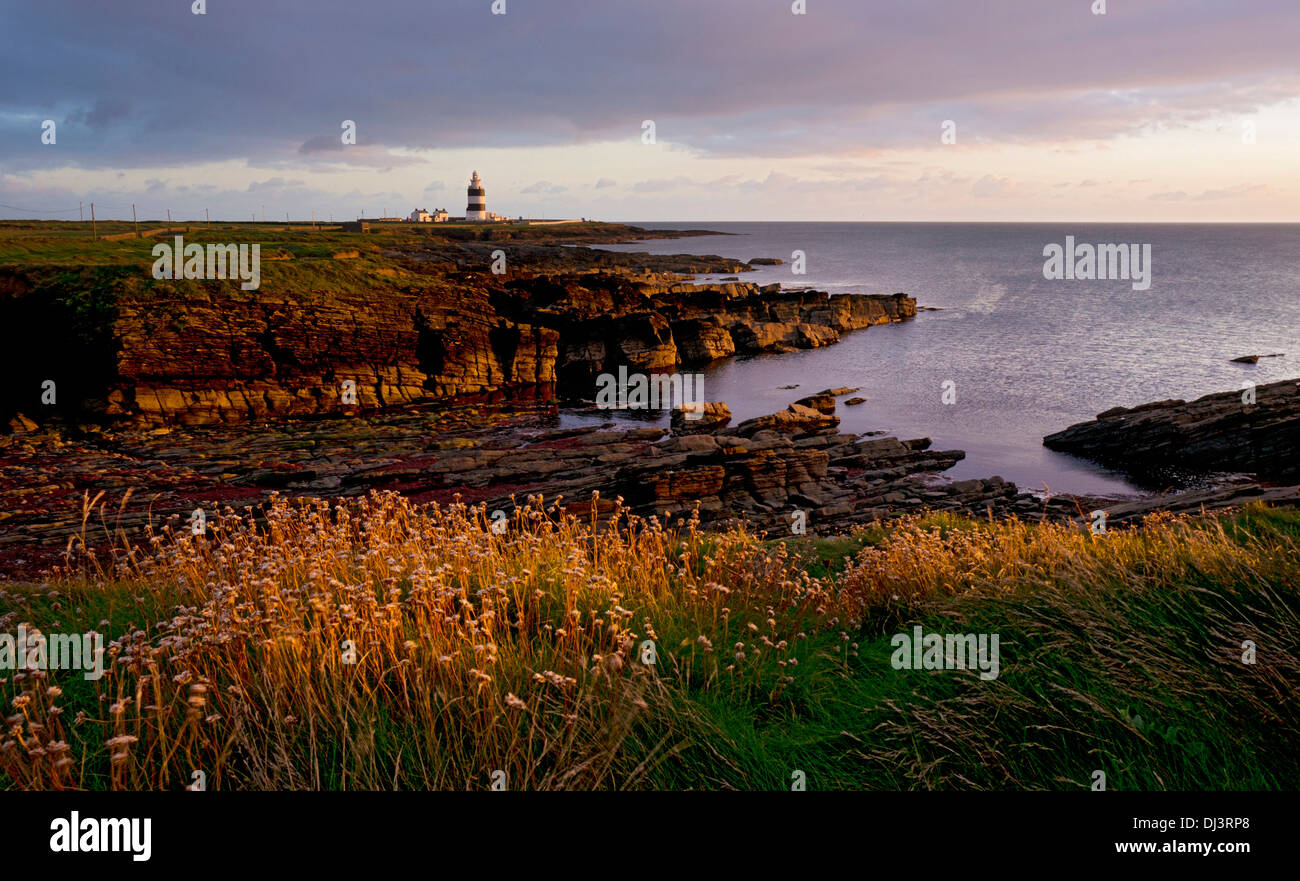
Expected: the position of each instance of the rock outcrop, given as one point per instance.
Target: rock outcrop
(403, 324)
(768, 474)
(758, 472)
(1223, 432)
(711, 415)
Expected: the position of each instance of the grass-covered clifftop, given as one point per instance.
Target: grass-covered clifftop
(378, 645)
(83, 310)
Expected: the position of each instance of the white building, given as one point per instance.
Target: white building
(423, 215)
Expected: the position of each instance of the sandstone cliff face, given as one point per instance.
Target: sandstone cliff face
(361, 336)
(740, 318)
(247, 358)
(1218, 432)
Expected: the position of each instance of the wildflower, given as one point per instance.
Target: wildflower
(514, 702)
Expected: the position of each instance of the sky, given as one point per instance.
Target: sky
(905, 110)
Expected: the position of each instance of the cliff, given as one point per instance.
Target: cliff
(407, 319)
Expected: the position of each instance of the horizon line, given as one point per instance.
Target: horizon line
(319, 221)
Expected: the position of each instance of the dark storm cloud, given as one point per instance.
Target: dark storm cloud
(141, 82)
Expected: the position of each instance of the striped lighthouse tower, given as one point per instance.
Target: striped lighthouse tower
(477, 209)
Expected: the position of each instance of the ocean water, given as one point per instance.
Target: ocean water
(1027, 356)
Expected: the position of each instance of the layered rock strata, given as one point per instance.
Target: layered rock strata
(1223, 432)
(415, 324)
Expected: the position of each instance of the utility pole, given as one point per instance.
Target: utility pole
(169, 215)
(93, 233)
(134, 221)
(81, 209)
(313, 218)
(286, 218)
(264, 214)
(206, 219)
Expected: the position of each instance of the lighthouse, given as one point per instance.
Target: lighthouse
(477, 209)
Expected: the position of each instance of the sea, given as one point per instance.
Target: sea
(1010, 355)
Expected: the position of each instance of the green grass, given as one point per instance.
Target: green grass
(71, 243)
(1120, 653)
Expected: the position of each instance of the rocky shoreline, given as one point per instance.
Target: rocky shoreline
(394, 324)
(203, 400)
(783, 474)
(1255, 430)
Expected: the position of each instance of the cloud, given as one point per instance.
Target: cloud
(1004, 70)
(543, 188)
(734, 89)
(992, 187)
(106, 112)
(1210, 195)
(1227, 193)
(321, 144)
(662, 185)
(273, 184)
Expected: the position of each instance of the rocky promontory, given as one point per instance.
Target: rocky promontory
(434, 365)
(350, 323)
(1256, 430)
